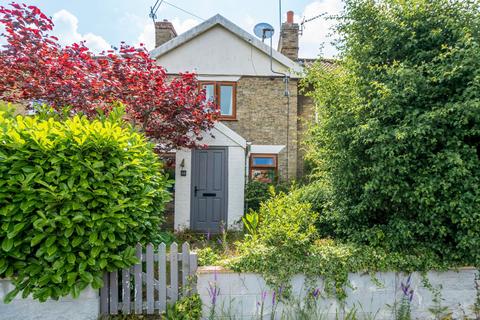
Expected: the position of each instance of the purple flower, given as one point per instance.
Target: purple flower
(274, 294)
(406, 289)
(208, 235)
(316, 293)
(280, 290)
(264, 296)
(213, 292)
(213, 289)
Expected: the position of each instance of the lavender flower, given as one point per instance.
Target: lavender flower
(316, 293)
(274, 294)
(213, 292)
(264, 296)
(406, 289)
(208, 235)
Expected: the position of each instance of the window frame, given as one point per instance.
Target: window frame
(217, 97)
(251, 166)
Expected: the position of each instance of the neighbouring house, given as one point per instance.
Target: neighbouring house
(263, 116)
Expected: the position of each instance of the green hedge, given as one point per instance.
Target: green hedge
(398, 137)
(75, 197)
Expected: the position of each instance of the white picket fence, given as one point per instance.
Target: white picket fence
(145, 287)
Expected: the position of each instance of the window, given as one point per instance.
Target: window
(224, 95)
(263, 167)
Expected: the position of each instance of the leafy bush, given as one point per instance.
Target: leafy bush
(75, 197)
(207, 256)
(187, 308)
(282, 240)
(257, 192)
(318, 195)
(287, 243)
(398, 136)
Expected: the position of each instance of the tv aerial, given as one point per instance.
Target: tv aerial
(263, 30)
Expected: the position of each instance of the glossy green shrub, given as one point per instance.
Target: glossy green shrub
(75, 197)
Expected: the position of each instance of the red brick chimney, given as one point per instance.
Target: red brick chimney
(288, 41)
(164, 31)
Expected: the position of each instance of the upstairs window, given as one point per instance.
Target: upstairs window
(224, 95)
(263, 167)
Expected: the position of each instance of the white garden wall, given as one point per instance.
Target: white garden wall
(240, 294)
(85, 307)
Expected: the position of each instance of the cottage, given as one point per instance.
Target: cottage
(262, 119)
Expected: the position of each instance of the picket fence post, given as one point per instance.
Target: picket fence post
(147, 281)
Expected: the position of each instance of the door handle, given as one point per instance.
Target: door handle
(195, 190)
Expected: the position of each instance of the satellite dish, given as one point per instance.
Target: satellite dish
(263, 30)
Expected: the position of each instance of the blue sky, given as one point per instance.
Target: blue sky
(103, 23)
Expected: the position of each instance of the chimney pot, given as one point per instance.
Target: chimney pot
(290, 17)
(288, 41)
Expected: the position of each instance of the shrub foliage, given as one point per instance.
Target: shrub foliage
(398, 139)
(75, 197)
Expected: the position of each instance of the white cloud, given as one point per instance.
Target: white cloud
(318, 32)
(66, 29)
(147, 35)
(3, 41)
(184, 25)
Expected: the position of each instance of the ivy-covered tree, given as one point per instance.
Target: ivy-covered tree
(398, 139)
(34, 66)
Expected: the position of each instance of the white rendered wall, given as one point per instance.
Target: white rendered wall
(240, 294)
(85, 307)
(219, 52)
(236, 178)
(236, 186)
(182, 190)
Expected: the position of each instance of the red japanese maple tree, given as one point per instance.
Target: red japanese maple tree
(34, 66)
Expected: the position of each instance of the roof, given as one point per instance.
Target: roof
(327, 64)
(230, 26)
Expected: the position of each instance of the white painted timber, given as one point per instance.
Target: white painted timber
(241, 293)
(85, 307)
(220, 136)
(218, 78)
(266, 149)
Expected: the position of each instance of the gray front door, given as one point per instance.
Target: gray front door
(209, 189)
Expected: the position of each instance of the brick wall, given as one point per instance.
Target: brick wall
(262, 117)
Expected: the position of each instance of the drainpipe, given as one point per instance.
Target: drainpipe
(247, 152)
(287, 94)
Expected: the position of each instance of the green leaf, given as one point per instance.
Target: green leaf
(68, 232)
(93, 237)
(56, 279)
(76, 241)
(86, 276)
(51, 250)
(50, 241)
(75, 291)
(97, 282)
(11, 295)
(71, 258)
(7, 244)
(36, 239)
